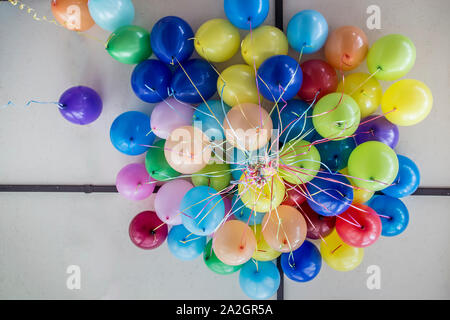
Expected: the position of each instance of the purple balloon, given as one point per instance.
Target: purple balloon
(132, 182)
(80, 105)
(169, 115)
(379, 129)
(168, 199)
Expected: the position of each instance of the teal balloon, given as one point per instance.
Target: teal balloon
(209, 118)
(111, 14)
(259, 282)
(307, 31)
(183, 244)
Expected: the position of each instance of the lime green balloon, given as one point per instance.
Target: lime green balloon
(334, 118)
(303, 160)
(156, 164)
(372, 166)
(392, 55)
(214, 264)
(214, 175)
(129, 44)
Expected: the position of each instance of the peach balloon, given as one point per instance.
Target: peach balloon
(284, 228)
(72, 14)
(234, 243)
(346, 47)
(187, 149)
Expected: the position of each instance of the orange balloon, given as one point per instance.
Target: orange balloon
(284, 228)
(346, 47)
(234, 243)
(72, 14)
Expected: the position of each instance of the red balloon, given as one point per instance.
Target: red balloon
(318, 226)
(317, 75)
(294, 195)
(147, 231)
(360, 228)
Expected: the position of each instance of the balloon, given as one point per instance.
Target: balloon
(339, 255)
(215, 175)
(214, 264)
(307, 31)
(259, 280)
(247, 14)
(80, 105)
(234, 243)
(244, 213)
(359, 226)
(391, 57)
(393, 214)
(130, 133)
(376, 128)
(147, 231)
(237, 85)
(334, 154)
(279, 77)
(304, 264)
(346, 47)
(134, 183)
(295, 195)
(317, 226)
(336, 116)
(263, 43)
(209, 118)
(169, 115)
(171, 40)
(359, 195)
(228, 212)
(299, 162)
(217, 40)
(407, 102)
(201, 74)
(407, 180)
(263, 251)
(111, 14)
(187, 150)
(168, 200)
(150, 81)
(319, 78)
(330, 193)
(156, 164)
(247, 127)
(202, 210)
(129, 44)
(373, 165)
(72, 14)
(183, 244)
(366, 92)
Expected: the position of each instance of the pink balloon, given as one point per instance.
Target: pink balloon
(133, 182)
(147, 231)
(169, 115)
(168, 199)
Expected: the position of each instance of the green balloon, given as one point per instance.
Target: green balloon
(215, 175)
(156, 164)
(394, 55)
(299, 155)
(214, 264)
(129, 44)
(373, 166)
(334, 118)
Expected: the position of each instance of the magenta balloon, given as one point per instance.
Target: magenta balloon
(227, 203)
(168, 199)
(147, 231)
(133, 182)
(169, 115)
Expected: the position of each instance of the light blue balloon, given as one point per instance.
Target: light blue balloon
(183, 244)
(259, 283)
(111, 14)
(209, 118)
(308, 29)
(243, 12)
(243, 213)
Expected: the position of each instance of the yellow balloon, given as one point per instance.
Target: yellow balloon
(217, 40)
(360, 196)
(411, 99)
(238, 84)
(367, 96)
(263, 251)
(339, 255)
(263, 43)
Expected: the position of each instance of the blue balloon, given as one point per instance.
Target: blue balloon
(183, 244)
(130, 133)
(202, 75)
(304, 264)
(243, 213)
(393, 208)
(150, 81)
(334, 153)
(259, 283)
(172, 39)
(209, 118)
(307, 30)
(243, 13)
(329, 198)
(279, 77)
(202, 210)
(111, 14)
(407, 181)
